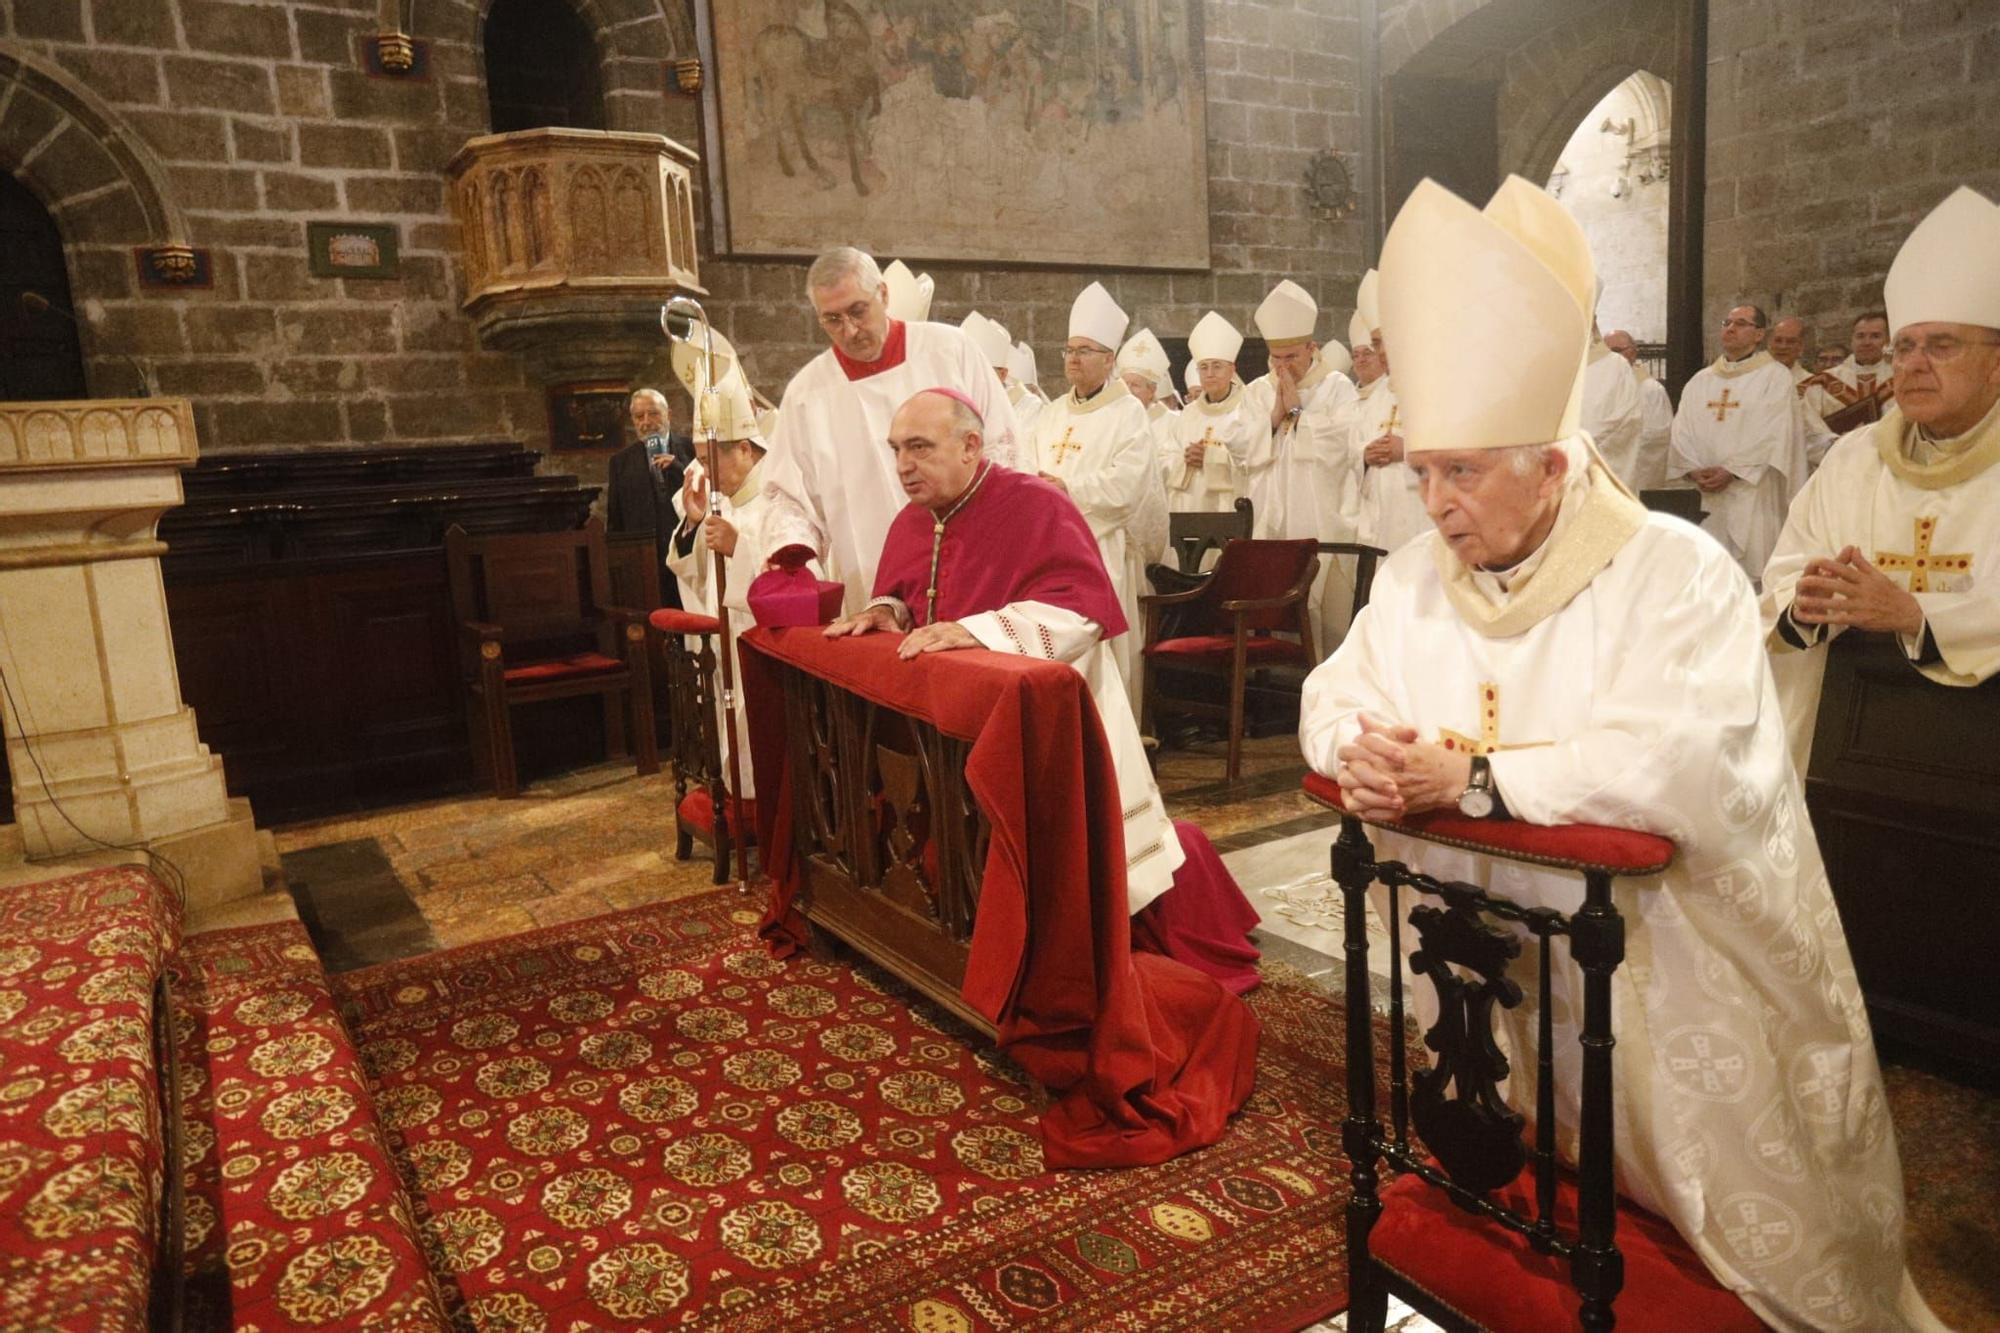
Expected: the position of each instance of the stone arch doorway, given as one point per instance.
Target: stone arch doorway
(1473, 90)
(40, 355)
(541, 67)
(1613, 172)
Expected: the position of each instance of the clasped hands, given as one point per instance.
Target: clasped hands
(941, 637)
(1386, 773)
(1847, 590)
(1383, 450)
(1709, 480)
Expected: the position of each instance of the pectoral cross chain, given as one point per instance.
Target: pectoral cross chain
(1920, 563)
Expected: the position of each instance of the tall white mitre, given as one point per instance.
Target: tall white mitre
(728, 410)
(1192, 376)
(1948, 271)
(1213, 339)
(1021, 366)
(989, 337)
(1367, 302)
(1143, 353)
(691, 359)
(909, 293)
(1539, 221)
(1358, 332)
(1457, 283)
(1094, 315)
(1287, 316)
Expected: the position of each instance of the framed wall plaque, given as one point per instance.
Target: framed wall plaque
(351, 249)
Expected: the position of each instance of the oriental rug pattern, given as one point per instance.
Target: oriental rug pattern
(642, 1120)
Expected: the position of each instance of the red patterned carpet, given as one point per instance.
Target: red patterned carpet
(642, 1120)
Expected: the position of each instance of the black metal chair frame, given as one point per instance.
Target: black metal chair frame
(1474, 1135)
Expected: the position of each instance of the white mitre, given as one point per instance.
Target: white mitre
(989, 338)
(728, 411)
(1358, 332)
(1192, 376)
(1489, 337)
(691, 358)
(1336, 356)
(909, 293)
(1287, 315)
(1095, 316)
(1948, 271)
(1367, 302)
(1021, 366)
(1214, 339)
(1539, 221)
(1143, 354)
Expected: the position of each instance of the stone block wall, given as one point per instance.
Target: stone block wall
(1833, 126)
(230, 124)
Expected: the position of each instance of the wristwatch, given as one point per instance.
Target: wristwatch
(1476, 801)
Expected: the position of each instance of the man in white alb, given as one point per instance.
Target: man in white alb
(829, 479)
(1096, 444)
(1656, 416)
(1899, 532)
(1552, 653)
(1612, 411)
(1740, 437)
(1788, 345)
(1388, 509)
(1201, 444)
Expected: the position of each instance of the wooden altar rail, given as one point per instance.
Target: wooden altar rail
(890, 841)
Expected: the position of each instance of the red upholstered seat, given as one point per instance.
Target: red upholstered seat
(563, 668)
(670, 620)
(1494, 1278)
(1584, 846)
(698, 810)
(1258, 648)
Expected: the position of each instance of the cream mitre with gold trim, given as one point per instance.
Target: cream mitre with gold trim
(1214, 339)
(1948, 271)
(1489, 313)
(1143, 353)
(909, 293)
(1094, 315)
(727, 409)
(1287, 316)
(990, 337)
(1358, 332)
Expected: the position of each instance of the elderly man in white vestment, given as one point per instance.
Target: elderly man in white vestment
(1299, 469)
(1899, 531)
(830, 484)
(1554, 647)
(1203, 445)
(1612, 411)
(1656, 416)
(1788, 345)
(1097, 445)
(1865, 373)
(1389, 510)
(1740, 437)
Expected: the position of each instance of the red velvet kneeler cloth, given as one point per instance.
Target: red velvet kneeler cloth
(1149, 1058)
(1203, 920)
(1493, 1277)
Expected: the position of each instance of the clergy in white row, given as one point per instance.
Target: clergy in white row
(1899, 530)
(1096, 444)
(1388, 511)
(1004, 355)
(831, 482)
(1656, 417)
(1557, 654)
(1864, 376)
(1740, 437)
(1203, 447)
(1299, 467)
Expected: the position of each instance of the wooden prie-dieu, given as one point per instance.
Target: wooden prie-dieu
(889, 840)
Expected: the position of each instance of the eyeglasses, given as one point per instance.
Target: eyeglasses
(1739, 323)
(856, 315)
(1079, 353)
(1940, 350)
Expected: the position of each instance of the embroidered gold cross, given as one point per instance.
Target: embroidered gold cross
(1207, 438)
(1395, 419)
(1920, 564)
(1722, 407)
(1065, 446)
(1488, 740)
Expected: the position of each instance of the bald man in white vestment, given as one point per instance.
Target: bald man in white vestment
(1899, 531)
(829, 478)
(1610, 664)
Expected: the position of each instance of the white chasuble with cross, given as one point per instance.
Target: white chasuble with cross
(1224, 430)
(1304, 481)
(1389, 508)
(1103, 451)
(1749, 1107)
(1936, 534)
(1743, 416)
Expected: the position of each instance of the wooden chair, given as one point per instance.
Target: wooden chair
(535, 623)
(1683, 502)
(1193, 536)
(1230, 623)
(702, 809)
(1366, 558)
(1478, 1230)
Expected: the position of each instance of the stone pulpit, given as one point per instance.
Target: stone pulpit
(100, 748)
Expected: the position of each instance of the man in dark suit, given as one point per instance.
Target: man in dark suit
(644, 476)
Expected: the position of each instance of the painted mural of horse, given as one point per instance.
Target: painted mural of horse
(797, 75)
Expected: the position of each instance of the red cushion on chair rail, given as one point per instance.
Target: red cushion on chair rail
(1222, 647)
(669, 620)
(697, 809)
(1493, 1277)
(563, 668)
(1620, 851)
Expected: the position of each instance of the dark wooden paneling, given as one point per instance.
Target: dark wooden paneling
(1904, 790)
(1446, 129)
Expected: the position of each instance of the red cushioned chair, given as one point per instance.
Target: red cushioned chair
(535, 623)
(1236, 619)
(700, 785)
(1479, 1230)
